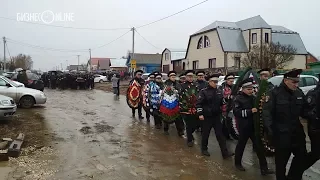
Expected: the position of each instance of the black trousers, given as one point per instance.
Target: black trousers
(139, 110)
(157, 119)
(191, 122)
(147, 114)
(244, 134)
(207, 124)
(179, 125)
(285, 144)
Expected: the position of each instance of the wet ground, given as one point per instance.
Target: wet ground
(90, 135)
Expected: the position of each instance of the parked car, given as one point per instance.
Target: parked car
(307, 82)
(100, 79)
(7, 106)
(34, 81)
(22, 96)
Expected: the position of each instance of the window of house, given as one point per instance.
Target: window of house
(200, 43)
(166, 56)
(266, 37)
(206, 42)
(237, 62)
(195, 64)
(254, 38)
(212, 63)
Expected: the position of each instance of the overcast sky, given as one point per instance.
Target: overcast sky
(300, 16)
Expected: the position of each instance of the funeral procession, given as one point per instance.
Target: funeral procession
(160, 90)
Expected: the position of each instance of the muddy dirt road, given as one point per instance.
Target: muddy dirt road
(92, 136)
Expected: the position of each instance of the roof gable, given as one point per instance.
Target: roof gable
(255, 22)
(232, 40)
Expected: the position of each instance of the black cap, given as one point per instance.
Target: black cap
(200, 73)
(247, 83)
(293, 74)
(213, 77)
(182, 75)
(151, 74)
(170, 73)
(264, 70)
(189, 72)
(138, 71)
(229, 76)
(159, 74)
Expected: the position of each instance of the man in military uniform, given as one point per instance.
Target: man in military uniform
(182, 78)
(201, 84)
(187, 102)
(151, 77)
(173, 82)
(281, 111)
(313, 126)
(209, 103)
(243, 110)
(264, 75)
(138, 78)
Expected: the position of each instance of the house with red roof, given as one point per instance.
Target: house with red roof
(99, 64)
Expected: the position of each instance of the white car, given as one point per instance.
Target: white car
(307, 82)
(100, 79)
(7, 106)
(19, 83)
(25, 97)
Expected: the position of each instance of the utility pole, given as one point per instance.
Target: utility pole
(90, 60)
(78, 62)
(67, 64)
(133, 29)
(61, 66)
(4, 53)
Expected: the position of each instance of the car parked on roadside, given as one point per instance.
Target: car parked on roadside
(7, 107)
(34, 81)
(100, 79)
(22, 96)
(307, 82)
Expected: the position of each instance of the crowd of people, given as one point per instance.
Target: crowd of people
(66, 80)
(202, 103)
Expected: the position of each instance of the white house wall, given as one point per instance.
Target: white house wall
(166, 62)
(203, 55)
(299, 62)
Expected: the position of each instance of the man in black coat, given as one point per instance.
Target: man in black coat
(243, 110)
(282, 109)
(137, 77)
(209, 104)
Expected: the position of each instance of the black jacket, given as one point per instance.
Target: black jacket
(318, 101)
(201, 84)
(209, 102)
(242, 110)
(282, 110)
(175, 84)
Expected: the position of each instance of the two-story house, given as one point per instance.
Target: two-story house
(222, 44)
(173, 59)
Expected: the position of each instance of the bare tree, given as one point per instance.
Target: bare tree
(269, 55)
(22, 61)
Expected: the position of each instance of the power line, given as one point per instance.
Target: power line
(147, 40)
(66, 27)
(111, 41)
(172, 14)
(44, 48)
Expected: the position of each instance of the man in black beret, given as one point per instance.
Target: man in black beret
(201, 84)
(264, 73)
(137, 77)
(226, 89)
(176, 85)
(182, 78)
(313, 100)
(243, 110)
(187, 102)
(281, 112)
(209, 103)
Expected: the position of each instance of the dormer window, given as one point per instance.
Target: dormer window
(266, 38)
(254, 38)
(200, 43)
(206, 42)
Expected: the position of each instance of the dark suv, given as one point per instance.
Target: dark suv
(34, 81)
